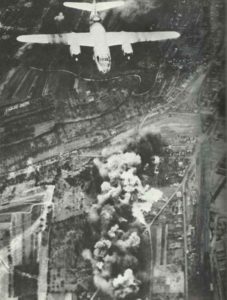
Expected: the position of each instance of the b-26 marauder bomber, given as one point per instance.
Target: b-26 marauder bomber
(98, 38)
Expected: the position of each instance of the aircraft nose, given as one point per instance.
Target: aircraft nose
(105, 70)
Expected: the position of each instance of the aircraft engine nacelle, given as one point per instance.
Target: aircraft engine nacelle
(75, 51)
(127, 50)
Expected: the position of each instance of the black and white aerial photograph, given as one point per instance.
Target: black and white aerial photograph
(113, 150)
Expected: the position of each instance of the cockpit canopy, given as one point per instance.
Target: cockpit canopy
(96, 19)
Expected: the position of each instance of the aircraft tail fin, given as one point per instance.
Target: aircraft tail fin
(94, 6)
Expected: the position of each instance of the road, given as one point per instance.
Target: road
(5, 269)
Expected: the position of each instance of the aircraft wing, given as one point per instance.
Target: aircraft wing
(82, 39)
(124, 37)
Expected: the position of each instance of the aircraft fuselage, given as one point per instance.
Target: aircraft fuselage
(101, 49)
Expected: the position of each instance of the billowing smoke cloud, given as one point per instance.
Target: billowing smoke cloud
(107, 217)
(125, 284)
(93, 215)
(123, 198)
(108, 192)
(101, 167)
(87, 255)
(101, 248)
(147, 146)
(127, 159)
(103, 285)
(117, 164)
(130, 181)
(147, 199)
(115, 232)
(114, 258)
(135, 8)
(132, 242)
(121, 170)
(129, 261)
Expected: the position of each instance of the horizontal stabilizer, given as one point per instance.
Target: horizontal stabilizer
(79, 5)
(108, 5)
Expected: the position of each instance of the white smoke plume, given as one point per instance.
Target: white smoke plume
(132, 242)
(93, 215)
(125, 199)
(116, 164)
(101, 167)
(129, 261)
(130, 181)
(145, 204)
(136, 8)
(115, 232)
(107, 216)
(128, 159)
(104, 267)
(156, 160)
(101, 248)
(87, 255)
(151, 196)
(103, 285)
(122, 195)
(114, 258)
(125, 284)
(108, 191)
(107, 265)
